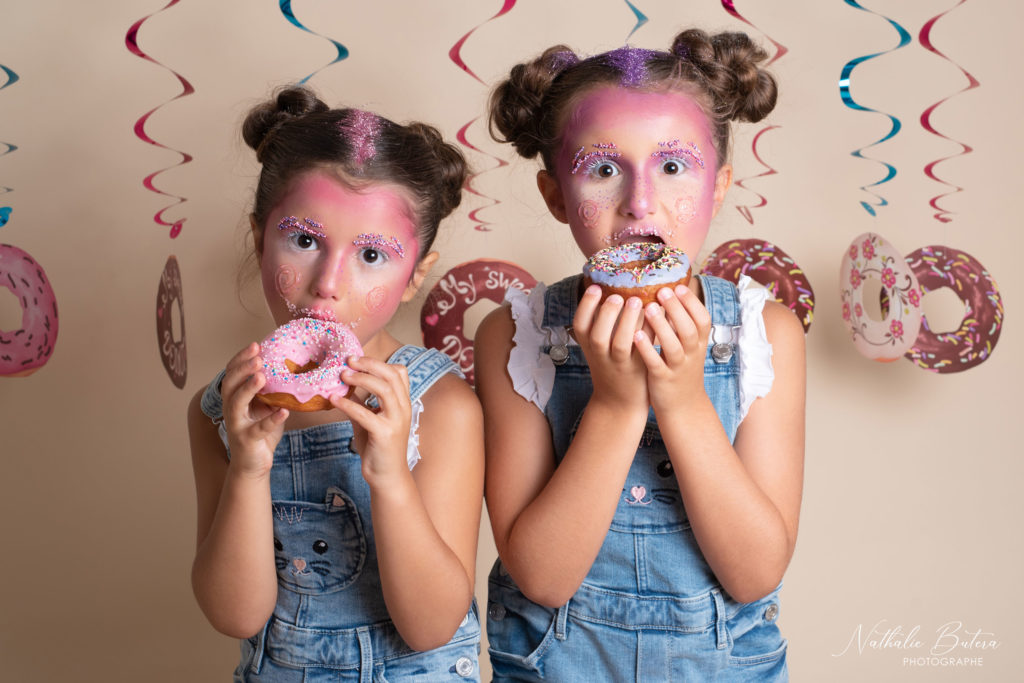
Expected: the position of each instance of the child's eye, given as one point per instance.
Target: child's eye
(303, 240)
(603, 169)
(372, 256)
(673, 166)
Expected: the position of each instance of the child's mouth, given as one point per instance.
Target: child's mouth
(637, 233)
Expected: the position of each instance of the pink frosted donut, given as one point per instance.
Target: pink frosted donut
(24, 351)
(303, 361)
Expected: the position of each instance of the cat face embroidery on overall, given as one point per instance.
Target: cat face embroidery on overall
(318, 548)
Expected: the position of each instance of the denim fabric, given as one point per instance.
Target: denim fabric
(650, 609)
(330, 622)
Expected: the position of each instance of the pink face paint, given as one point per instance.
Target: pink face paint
(375, 299)
(287, 279)
(686, 209)
(672, 149)
(376, 241)
(589, 212)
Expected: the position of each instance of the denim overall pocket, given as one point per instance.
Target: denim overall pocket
(519, 631)
(318, 547)
(756, 643)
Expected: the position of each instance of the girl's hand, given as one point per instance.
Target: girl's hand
(604, 331)
(254, 428)
(382, 436)
(681, 325)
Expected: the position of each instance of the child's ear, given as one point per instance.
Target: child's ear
(418, 275)
(723, 181)
(553, 197)
(257, 237)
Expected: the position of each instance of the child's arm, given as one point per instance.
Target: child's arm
(426, 522)
(233, 575)
(743, 500)
(549, 523)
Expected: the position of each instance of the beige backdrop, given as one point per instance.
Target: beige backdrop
(912, 501)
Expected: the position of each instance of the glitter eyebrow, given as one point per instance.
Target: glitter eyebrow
(308, 225)
(369, 239)
(671, 148)
(603, 151)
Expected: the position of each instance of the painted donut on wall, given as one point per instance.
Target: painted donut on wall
(769, 266)
(973, 341)
(888, 338)
(173, 352)
(442, 318)
(25, 350)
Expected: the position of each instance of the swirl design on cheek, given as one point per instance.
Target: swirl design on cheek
(589, 212)
(287, 280)
(375, 299)
(686, 209)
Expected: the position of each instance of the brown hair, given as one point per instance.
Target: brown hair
(294, 132)
(720, 71)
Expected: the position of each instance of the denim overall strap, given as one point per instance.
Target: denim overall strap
(722, 302)
(211, 403)
(560, 301)
(425, 367)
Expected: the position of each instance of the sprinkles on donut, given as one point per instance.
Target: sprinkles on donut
(303, 360)
(638, 269)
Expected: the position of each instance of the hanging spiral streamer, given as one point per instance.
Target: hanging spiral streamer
(286, 10)
(5, 211)
(844, 92)
(131, 41)
(455, 55)
(972, 82)
(641, 19)
(780, 50)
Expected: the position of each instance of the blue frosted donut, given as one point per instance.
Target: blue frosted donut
(638, 269)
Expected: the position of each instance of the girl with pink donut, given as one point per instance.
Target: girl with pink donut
(644, 462)
(341, 542)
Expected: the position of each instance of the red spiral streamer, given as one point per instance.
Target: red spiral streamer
(780, 50)
(455, 53)
(131, 41)
(942, 215)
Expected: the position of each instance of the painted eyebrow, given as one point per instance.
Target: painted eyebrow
(604, 150)
(308, 226)
(371, 239)
(672, 148)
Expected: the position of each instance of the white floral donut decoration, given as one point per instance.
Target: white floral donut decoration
(888, 339)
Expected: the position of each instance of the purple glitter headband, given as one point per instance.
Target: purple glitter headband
(562, 60)
(362, 129)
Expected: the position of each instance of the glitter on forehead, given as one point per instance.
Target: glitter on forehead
(308, 225)
(362, 129)
(376, 241)
(631, 62)
(605, 151)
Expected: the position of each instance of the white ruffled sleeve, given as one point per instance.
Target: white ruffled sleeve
(532, 371)
(755, 353)
(412, 450)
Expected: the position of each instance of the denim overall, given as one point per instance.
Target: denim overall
(650, 608)
(330, 622)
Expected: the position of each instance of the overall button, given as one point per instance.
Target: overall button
(771, 612)
(496, 611)
(464, 666)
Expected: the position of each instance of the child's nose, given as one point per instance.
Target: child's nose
(639, 202)
(328, 279)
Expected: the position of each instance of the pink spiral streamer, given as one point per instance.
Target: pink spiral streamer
(780, 50)
(455, 54)
(929, 170)
(131, 41)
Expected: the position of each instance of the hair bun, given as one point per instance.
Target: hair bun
(450, 167)
(290, 103)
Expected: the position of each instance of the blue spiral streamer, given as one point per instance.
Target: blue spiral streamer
(5, 211)
(641, 19)
(844, 92)
(286, 10)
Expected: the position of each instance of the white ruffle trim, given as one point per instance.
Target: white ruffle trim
(412, 451)
(533, 372)
(755, 353)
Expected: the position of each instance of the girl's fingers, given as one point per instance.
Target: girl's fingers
(696, 311)
(604, 321)
(355, 411)
(586, 310)
(622, 339)
(644, 345)
(671, 346)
